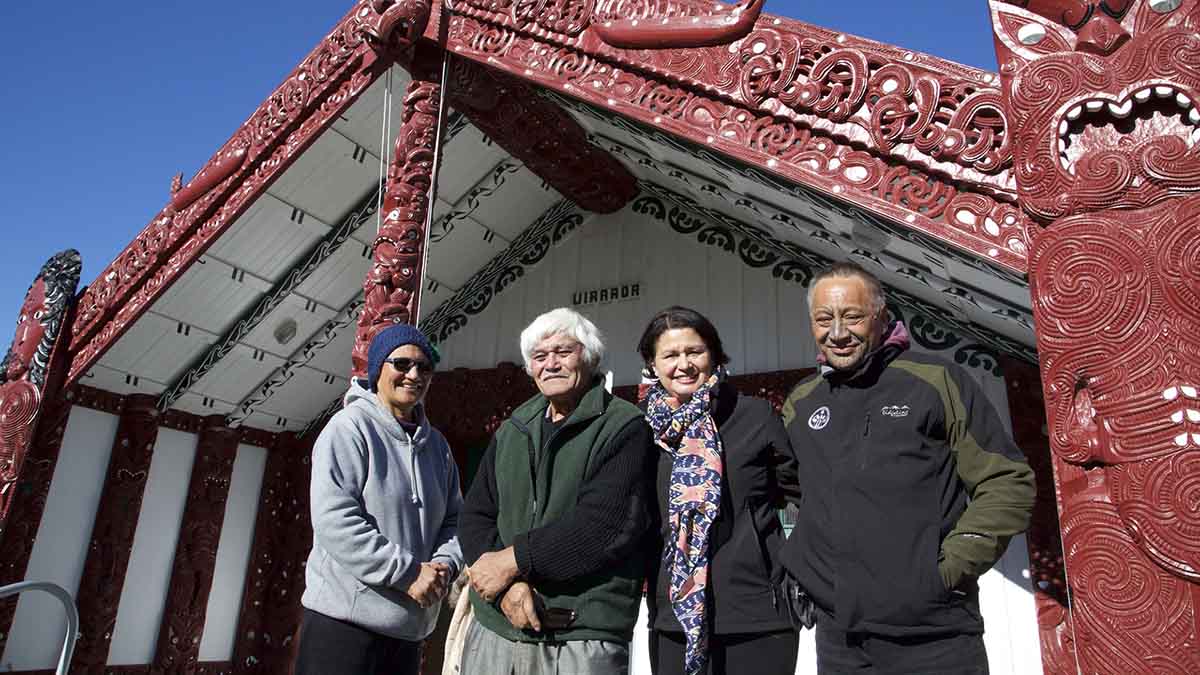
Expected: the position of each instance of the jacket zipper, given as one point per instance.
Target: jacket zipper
(533, 461)
(532, 469)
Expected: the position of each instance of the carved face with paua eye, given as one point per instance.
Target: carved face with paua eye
(29, 332)
(1103, 100)
(390, 284)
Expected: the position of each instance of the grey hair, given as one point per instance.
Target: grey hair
(845, 270)
(564, 321)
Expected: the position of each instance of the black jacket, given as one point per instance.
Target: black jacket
(888, 457)
(746, 537)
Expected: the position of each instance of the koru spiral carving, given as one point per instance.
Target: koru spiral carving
(1102, 98)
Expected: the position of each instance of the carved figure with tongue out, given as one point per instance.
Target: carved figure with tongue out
(1102, 101)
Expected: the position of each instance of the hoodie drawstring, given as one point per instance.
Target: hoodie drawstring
(412, 474)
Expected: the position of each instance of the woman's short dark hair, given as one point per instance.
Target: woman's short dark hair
(681, 317)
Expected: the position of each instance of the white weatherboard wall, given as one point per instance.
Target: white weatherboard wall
(763, 323)
(148, 576)
(62, 539)
(233, 554)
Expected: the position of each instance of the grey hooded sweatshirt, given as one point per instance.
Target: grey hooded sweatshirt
(382, 503)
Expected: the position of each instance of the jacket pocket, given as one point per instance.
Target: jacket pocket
(742, 566)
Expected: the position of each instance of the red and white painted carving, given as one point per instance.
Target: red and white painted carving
(391, 289)
(25, 369)
(1102, 105)
(861, 121)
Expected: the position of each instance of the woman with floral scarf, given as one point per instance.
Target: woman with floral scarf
(724, 466)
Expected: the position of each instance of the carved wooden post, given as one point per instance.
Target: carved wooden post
(196, 549)
(275, 579)
(392, 288)
(1102, 101)
(116, 521)
(33, 416)
(1026, 409)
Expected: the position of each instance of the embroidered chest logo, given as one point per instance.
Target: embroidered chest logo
(895, 411)
(819, 418)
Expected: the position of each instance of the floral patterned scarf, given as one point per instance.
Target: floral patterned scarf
(690, 435)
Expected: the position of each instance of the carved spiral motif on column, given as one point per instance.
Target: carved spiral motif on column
(1118, 591)
(1177, 257)
(18, 406)
(19, 403)
(1160, 502)
(1090, 279)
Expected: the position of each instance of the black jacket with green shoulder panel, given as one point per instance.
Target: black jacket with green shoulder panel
(911, 490)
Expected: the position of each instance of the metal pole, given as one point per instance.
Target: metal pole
(68, 649)
(443, 37)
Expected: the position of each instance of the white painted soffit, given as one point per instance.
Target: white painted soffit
(261, 330)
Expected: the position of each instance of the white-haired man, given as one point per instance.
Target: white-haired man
(554, 525)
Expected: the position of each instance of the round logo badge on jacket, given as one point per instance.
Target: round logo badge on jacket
(819, 418)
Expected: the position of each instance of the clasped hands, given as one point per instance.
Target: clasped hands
(494, 575)
(431, 584)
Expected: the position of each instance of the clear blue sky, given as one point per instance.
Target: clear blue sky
(106, 101)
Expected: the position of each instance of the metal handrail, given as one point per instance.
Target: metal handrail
(64, 596)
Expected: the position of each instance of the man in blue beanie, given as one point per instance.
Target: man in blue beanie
(385, 500)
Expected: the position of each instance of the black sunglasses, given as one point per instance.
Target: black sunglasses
(404, 365)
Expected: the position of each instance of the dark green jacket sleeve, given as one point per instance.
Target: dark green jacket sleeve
(998, 480)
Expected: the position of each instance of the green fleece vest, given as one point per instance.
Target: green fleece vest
(534, 489)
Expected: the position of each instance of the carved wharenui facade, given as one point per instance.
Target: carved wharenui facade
(466, 167)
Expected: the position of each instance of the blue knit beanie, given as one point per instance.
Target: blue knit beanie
(386, 342)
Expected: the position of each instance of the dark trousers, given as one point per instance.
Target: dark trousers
(332, 647)
(840, 652)
(735, 654)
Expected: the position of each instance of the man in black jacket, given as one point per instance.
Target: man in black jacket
(912, 490)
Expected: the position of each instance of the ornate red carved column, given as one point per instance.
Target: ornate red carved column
(1102, 99)
(33, 416)
(393, 285)
(270, 614)
(1026, 408)
(112, 534)
(29, 502)
(196, 550)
